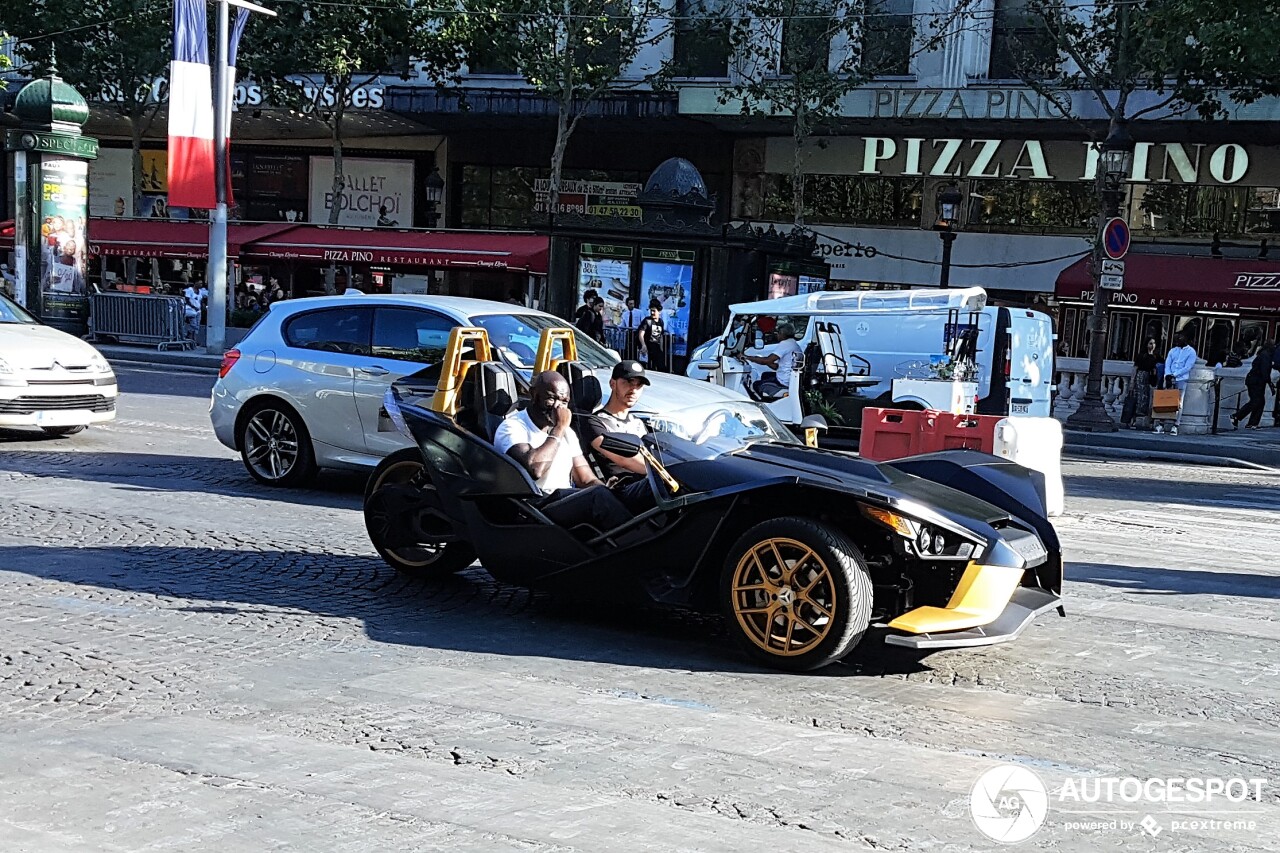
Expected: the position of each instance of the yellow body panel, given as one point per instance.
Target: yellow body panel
(546, 345)
(981, 596)
(454, 367)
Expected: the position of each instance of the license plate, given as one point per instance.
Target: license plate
(1020, 409)
(61, 418)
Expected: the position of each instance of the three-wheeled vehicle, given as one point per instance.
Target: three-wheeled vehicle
(804, 550)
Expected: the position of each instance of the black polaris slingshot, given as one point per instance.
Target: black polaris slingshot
(803, 550)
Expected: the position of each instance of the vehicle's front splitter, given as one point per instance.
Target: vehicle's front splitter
(1025, 604)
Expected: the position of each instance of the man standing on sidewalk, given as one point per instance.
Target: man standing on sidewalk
(1179, 361)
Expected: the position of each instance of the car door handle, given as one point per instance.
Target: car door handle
(375, 370)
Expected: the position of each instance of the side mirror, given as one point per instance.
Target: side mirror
(812, 425)
(621, 444)
(709, 365)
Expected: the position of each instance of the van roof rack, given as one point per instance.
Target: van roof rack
(963, 298)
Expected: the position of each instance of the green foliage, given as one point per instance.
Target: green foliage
(315, 55)
(243, 319)
(114, 51)
(1191, 55)
(571, 51)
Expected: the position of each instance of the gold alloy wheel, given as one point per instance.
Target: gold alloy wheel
(784, 596)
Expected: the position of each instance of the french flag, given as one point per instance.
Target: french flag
(191, 164)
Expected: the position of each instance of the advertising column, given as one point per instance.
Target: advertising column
(51, 184)
(63, 216)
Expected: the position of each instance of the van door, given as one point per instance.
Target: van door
(1030, 375)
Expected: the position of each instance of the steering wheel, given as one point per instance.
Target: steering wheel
(706, 434)
(524, 352)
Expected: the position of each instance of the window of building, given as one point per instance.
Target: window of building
(887, 32)
(1178, 209)
(340, 330)
(806, 37)
(408, 334)
(1032, 206)
(1021, 45)
(848, 199)
(508, 196)
(701, 39)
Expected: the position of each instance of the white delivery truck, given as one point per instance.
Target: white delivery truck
(857, 343)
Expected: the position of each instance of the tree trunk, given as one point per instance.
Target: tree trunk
(799, 131)
(339, 183)
(563, 131)
(135, 138)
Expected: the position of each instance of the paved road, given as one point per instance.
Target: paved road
(191, 661)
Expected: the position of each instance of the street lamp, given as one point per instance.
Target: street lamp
(1115, 163)
(435, 193)
(949, 201)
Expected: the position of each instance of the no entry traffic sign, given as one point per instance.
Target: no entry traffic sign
(1115, 238)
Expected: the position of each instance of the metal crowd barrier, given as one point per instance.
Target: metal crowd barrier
(136, 319)
(626, 343)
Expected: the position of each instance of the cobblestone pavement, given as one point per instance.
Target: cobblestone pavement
(192, 661)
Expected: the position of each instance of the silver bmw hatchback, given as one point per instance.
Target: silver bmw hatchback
(304, 389)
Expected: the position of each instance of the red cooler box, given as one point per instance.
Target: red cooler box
(889, 434)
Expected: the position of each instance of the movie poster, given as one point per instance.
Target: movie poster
(64, 210)
(667, 277)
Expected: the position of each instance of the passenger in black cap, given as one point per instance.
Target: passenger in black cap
(627, 475)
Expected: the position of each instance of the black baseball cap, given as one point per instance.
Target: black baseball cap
(629, 369)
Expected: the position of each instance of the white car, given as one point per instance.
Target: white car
(49, 379)
(303, 390)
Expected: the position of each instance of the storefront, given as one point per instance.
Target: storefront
(298, 257)
(1030, 199)
(1221, 304)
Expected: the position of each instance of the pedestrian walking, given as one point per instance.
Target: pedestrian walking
(1256, 383)
(652, 338)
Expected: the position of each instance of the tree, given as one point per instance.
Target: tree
(571, 51)
(115, 52)
(1146, 59)
(799, 59)
(316, 56)
(1139, 59)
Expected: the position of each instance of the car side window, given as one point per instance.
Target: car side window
(409, 334)
(344, 330)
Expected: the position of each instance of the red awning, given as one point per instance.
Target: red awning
(168, 238)
(454, 249)
(1182, 283)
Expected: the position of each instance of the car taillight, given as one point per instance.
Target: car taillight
(1008, 363)
(228, 361)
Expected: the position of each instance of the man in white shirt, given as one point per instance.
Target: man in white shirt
(781, 358)
(541, 440)
(1179, 361)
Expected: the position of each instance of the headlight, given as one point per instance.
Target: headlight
(99, 364)
(392, 407)
(4, 366)
(928, 541)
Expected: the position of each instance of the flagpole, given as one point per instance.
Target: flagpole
(219, 286)
(216, 333)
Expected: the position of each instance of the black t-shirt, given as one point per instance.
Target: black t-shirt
(599, 424)
(651, 331)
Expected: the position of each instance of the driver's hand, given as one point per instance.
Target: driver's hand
(564, 417)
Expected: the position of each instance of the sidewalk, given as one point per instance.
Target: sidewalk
(192, 360)
(1243, 448)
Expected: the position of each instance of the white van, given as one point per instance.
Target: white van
(856, 344)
